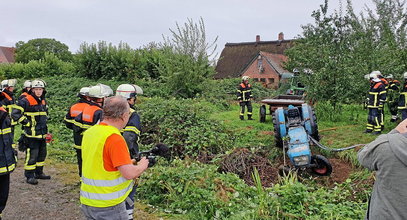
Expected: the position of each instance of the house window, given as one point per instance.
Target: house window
(263, 80)
(271, 80)
(260, 64)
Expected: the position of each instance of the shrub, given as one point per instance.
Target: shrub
(184, 125)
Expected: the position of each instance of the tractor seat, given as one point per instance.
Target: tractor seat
(293, 117)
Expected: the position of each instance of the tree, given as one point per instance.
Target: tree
(191, 40)
(36, 49)
(340, 48)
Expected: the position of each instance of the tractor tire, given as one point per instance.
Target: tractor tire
(277, 136)
(262, 113)
(323, 166)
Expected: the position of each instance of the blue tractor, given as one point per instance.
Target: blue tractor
(294, 129)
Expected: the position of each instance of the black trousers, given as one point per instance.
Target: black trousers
(79, 161)
(374, 120)
(4, 190)
(249, 108)
(35, 157)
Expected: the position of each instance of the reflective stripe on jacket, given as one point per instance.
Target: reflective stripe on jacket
(377, 95)
(244, 92)
(7, 158)
(100, 188)
(32, 113)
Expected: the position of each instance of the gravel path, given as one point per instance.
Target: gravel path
(50, 199)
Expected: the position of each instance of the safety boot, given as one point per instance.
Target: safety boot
(376, 133)
(249, 117)
(32, 181)
(241, 117)
(367, 131)
(39, 174)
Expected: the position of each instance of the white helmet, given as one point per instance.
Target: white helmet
(126, 90)
(244, 78)
(38, 83)
(84, 91)
(27, 84)
(376, 72)
(374, 77)
(8, 83)
(405, 75)
(389, 76)
(100, 91)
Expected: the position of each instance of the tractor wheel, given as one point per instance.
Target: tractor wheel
(277, 136)
(323, 166)
(262, 113)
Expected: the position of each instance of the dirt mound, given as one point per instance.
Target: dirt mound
(242, 162)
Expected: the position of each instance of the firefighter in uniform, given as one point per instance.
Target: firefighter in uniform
(69, 120)
(403, 99)
(91, 115)
(32, 113)
(26, 89)
(7, 157)
(244, 95)
(386, 87)
(392, 96)
(8, 101)
(375, 101)
(131, 132)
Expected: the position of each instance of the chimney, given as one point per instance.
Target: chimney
(280, 36)
(257, 38)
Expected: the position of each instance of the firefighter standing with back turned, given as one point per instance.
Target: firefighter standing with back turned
(392, 96)
(244, 95)
(32, 113)
(403, 99)
(131, 133)
(381, 108)
(375, 101)
(69, 120)
(91, 115)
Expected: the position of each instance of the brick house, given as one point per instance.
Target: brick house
(261, 60)
(7, 54)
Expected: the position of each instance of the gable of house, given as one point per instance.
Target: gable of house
(7, 54)
(236, 56)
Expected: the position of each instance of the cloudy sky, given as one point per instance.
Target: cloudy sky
(138, 22)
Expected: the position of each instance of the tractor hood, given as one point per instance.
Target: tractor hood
(398, 146)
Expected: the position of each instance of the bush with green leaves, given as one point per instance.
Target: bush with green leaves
(200, 192)
(184, 125)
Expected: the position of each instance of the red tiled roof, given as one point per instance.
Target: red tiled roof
(7, 54)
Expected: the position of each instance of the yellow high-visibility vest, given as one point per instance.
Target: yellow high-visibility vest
(100, 188)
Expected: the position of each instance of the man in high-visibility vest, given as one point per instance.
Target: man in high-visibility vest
(108, 172)
(375, 101)
(8, 100)
(402, 105)
(32, 113)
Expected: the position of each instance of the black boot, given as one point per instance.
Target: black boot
(249, 117)
(29, 174)
(376, 133)
(39, 174)
(367, 131)
(241, 117)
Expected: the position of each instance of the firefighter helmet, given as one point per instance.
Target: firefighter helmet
(27, 84)
(100, 91)
(405, 75)
(126, 90)
(244, 78)
(390, 76)
(8, 83)
(377, 73)
(84, 91)
(38, 83)
(374, 77)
